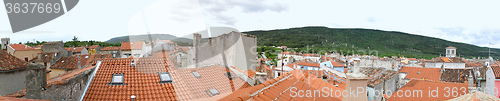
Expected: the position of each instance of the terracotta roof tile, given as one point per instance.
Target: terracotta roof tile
(496, 71)
(11, 63)
(336, 64)
(66, 63)
(456, 75)
(131, 45)
(377, 75)
(93, 46)
(143, 79)
(110, 48)
(476, 64)
(426, 86)
(476, 96)
(279, 88)
(412, 59)
(308, 64)
(421, 73)
(20, 47)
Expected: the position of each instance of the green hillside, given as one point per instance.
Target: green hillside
(387, 43)
(146, 38)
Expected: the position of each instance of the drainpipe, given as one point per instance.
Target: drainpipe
(91, 78)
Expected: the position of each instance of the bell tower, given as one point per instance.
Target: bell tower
(451, 52)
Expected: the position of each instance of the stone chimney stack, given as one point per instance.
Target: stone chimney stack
(471, 87)
(5, 43)
(79, 64)
(196, 42)
(36, 80)
(357, 83)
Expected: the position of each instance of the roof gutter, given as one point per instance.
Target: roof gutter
(91, 78)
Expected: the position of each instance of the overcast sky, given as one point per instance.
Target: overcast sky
(474, 22)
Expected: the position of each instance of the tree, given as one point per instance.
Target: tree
(75, 38)
(75, 41)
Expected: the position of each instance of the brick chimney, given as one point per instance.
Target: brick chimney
(36, 80)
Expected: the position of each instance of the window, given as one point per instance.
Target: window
(165, 77)
(212, 92)
(196, 74)
(117, 79)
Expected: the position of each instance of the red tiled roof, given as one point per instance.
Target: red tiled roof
(451, 47)
(132, 45)
(496, 71)
(10, 63)
(143, 81)
(46, 57)
(421, 73)
(110, 48)
(280, 89)
(476, 64)
(93, 46)
(308, 64)
(336, 64)
(167, 41)
(69, 62)
(18, 99)
(412, 59)
(426, 87)
(20, 47)
(75, 49)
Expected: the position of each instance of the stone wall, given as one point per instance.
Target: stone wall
(72, 90)
(388, 64)
(16, 81)
(61, 89)
(236, 48)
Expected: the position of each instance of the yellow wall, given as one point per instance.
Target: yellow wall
(24, 53)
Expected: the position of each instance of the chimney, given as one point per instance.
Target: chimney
(196, 42)
(472, 88)
(36, 80)
(79, 64)
(356, 82)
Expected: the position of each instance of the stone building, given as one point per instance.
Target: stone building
(231, 49)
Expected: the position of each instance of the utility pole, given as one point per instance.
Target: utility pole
(282, 55)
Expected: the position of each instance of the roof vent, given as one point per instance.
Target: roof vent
(212, 92)
(418, 72)
(86, 57)
(196, 74)
(132, 63)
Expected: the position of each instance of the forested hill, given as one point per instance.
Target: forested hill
(388, 43)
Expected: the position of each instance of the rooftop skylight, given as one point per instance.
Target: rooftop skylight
(165, 77)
